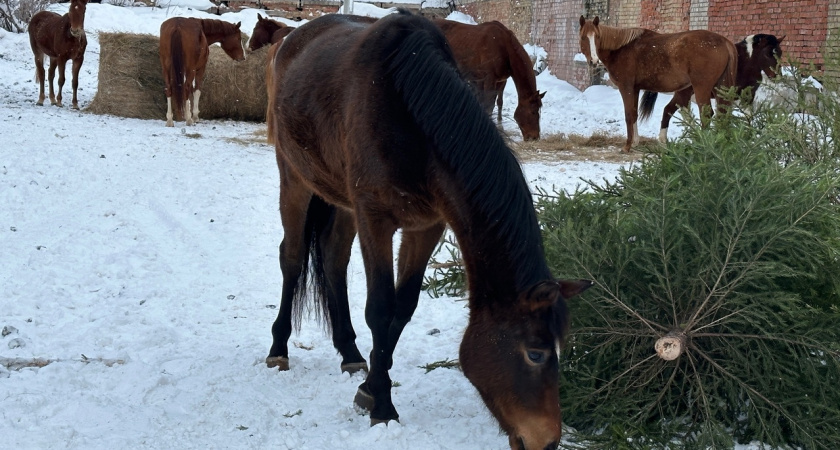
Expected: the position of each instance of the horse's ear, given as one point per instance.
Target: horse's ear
(542, 94)
(238, 24)
(582, 20)
(546, 293)
(259, 17)
(571, 288)
(595, 21)
(782, 38)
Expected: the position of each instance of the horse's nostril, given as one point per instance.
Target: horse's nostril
(552, 446)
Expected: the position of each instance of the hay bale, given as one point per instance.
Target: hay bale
(234, 89)
(131, 83)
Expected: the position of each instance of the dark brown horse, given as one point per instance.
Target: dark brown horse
(640, 59)
(381, 133)
(487, 55)
(61, 38)
(184, 49)
(267, 32)
(757, 54)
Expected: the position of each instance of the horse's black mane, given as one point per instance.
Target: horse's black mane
(467, 141)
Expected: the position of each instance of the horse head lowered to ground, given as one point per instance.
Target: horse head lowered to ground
(487, 55)
(381, 133)
(184, 50)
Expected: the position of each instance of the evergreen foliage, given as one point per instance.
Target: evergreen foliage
(716, 239)
(730, 236)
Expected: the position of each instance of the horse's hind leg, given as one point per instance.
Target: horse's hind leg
(681, 99)
(294, 203)
(335, 252)
(416, 248)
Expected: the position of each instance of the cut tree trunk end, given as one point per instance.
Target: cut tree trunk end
(672, 345)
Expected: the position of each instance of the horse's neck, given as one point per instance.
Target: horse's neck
(214, 32)
(521, 71)
(500, 241)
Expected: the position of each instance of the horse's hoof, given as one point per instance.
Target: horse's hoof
(374, 422)
(170, 124)
(363, 401)
(39, 103)
(352, 368)
(280, 362)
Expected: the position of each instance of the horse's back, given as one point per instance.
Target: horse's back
(42, 28)
(338, 116)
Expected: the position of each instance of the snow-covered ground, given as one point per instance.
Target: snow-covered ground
(139, 268)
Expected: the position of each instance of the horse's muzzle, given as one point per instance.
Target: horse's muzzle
(76, 33)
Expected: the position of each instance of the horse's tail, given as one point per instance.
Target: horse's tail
(313, 278)
(646, 105)
(177, 74)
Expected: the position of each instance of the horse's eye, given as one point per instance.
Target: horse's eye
(537, 356)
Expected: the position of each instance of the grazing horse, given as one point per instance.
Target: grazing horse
(640, 59)
(267, 32)
(757, 54)
(381, 133)
(61, 38)
(184, 50)
(487, 55)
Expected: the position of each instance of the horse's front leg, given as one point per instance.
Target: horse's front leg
(375, 238)
(62, 66)
(77, 66)
(630, 97)
(415, 250)
(681, 99)
(53, 65)
(40, 74)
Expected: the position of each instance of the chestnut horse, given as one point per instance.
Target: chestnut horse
(640, 59)
(487, 55)
(381, 133)
(61, 38)
(757, 54)
(184, 50)
(267, 32)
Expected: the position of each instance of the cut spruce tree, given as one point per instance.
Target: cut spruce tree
(715, 318)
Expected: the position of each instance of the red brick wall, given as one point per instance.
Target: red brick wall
(803, 22)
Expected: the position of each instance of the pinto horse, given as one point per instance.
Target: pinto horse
(487, 55)
(640, 59)
(381, 133)
(757, 54)
(61, 38)
(267, 32)
(184, 50)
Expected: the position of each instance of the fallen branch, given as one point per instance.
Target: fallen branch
(23, 363)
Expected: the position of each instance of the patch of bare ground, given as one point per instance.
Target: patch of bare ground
(574, 147)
